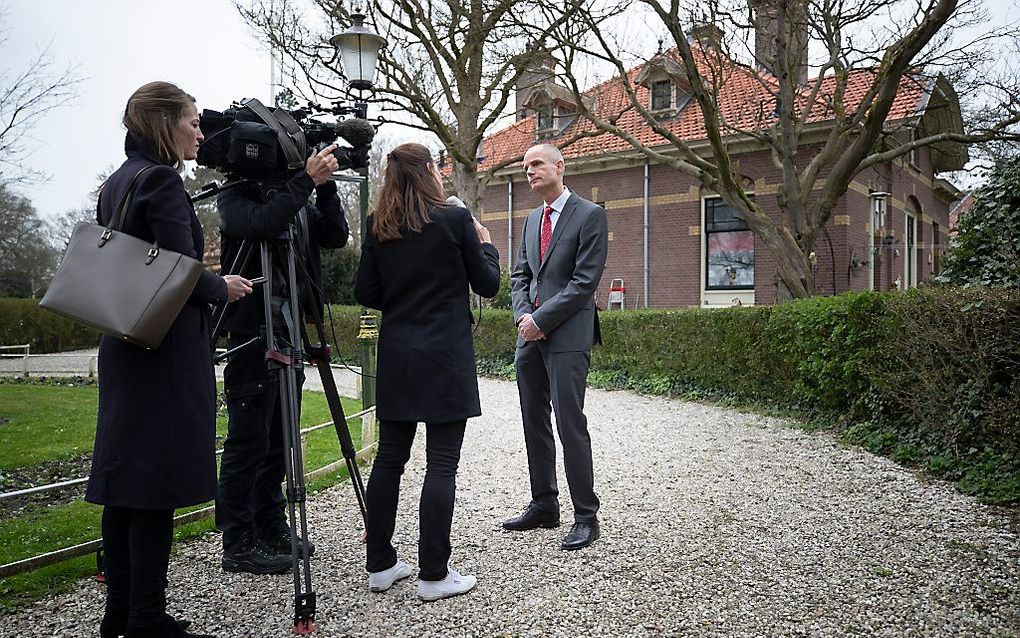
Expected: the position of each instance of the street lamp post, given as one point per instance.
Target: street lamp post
(359, 49)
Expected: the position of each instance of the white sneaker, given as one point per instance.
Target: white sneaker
(381, 581)
(453, 585)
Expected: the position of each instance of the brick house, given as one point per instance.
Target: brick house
(674, 244)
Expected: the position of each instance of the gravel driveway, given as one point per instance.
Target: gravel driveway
(714, 523)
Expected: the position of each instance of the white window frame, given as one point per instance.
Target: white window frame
(910, 260)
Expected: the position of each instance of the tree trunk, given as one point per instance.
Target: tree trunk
(469, 188)
(795, 279)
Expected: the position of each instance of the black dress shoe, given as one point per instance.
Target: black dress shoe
(114, 623)
(169, 628)
(531, 518)
(581, 535)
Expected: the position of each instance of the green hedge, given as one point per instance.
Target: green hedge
(23, 321)
(936, 369)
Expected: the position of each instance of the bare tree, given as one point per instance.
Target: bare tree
(450, 67)
(27, 260)
(61, 226)
(821, 132)
(26, 95)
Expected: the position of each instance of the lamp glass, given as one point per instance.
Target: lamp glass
(359, 52)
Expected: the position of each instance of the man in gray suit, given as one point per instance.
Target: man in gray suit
(562, 255)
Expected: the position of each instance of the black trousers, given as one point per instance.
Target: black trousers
(556, 380)
(136, 544)
(250, 501)
(435, 510)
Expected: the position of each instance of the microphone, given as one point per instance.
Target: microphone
(356, 131)
(453, 200)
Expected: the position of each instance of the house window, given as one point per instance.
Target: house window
(729, 248)
(936, 248)
(545, 117)
(662, 95)
(912, 155)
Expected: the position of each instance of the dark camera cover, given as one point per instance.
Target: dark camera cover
(253, 147)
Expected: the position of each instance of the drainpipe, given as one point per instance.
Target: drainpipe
(509, 223)
(648, 181)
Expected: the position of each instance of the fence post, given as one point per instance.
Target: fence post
(24, 360)
(92, 367)
(368, 336)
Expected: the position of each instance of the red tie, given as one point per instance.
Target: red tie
(546, 232)
(546, 238)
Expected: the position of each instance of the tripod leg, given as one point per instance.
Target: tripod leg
(242, 258)
(343, 433)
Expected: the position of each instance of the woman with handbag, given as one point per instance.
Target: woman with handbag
(418, 258)
(154, 448)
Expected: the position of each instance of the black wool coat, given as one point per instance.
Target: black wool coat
(426, 368)
(157, 408)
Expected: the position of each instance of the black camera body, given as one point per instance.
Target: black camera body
(249, 141)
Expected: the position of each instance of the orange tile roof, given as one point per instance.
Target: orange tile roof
(745, 103)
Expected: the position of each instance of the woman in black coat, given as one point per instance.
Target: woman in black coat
(418, 258)
(154, 449)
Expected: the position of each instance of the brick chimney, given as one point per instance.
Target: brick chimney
(767, 27)
(541, 66)
(708, 35)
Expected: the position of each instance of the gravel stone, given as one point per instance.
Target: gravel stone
(714, 523)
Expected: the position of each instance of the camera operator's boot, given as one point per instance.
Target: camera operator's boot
(278, 542)
(253, 556)
(169, 628)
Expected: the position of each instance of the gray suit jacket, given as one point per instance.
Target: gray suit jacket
(566, 280)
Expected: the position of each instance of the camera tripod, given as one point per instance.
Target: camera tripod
(287, 346)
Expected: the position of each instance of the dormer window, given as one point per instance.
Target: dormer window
(666, 81)
(662, 95)
(554, 107)
(544, 115)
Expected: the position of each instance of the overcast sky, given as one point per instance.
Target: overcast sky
(201, 45)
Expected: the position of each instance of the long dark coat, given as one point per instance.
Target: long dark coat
(426, 366)
(157, 408)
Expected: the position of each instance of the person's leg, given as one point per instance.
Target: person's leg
(248, 392)
(569, 373)
(438, 494)
(116, 524)
(383, 491)
(268, 502)
(150, 537)
(533, 387)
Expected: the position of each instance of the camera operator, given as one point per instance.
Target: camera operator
(250, 503)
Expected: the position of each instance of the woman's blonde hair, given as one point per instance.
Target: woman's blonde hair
(152, 113)
(409, 190)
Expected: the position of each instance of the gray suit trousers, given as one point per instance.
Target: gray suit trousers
(559, 378)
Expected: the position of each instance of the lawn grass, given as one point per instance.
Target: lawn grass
(63, 414)
(46, 423)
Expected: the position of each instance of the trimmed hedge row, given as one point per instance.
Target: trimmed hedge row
(939, 366)
(23, 321)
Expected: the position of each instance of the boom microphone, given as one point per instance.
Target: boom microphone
(356, 131)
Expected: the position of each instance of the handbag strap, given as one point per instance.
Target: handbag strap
(117, 221)
(120, 213)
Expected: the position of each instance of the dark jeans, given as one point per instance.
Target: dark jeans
(435, 511)
(137, 548)
(249, 501)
